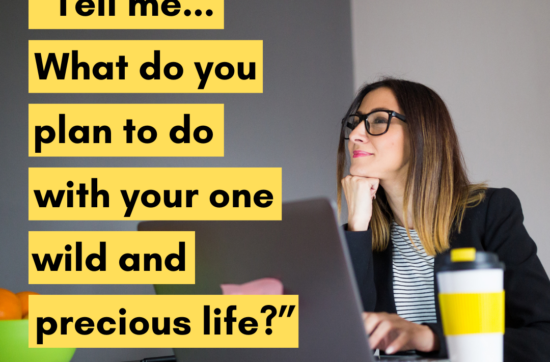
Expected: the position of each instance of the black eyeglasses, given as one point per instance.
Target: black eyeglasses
(377, 123)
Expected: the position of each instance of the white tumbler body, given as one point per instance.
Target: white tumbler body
(472, 347)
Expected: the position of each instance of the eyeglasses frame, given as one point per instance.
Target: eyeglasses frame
(363, 118)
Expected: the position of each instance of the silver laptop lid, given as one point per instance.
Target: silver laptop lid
(307, 252)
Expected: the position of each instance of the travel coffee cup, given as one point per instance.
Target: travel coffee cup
(471, 300)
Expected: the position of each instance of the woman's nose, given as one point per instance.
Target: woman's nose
(359, 134)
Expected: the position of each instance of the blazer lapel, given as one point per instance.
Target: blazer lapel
(383, 267)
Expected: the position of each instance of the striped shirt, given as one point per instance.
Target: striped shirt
(413, 277)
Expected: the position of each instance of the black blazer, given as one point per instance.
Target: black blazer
(495, 225)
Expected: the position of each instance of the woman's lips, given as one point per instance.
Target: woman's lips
(361, 154)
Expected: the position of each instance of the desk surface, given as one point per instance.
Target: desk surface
(393, 359)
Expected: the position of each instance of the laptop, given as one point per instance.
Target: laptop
(307, 252)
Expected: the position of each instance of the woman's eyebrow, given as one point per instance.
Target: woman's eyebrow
(374, 110)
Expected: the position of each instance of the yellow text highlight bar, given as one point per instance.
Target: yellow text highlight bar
(155, 193)
(111, 257)
(168, 321)
(126, 130)
(145, 66)
(126, 14)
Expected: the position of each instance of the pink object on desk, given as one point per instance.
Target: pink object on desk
(264, 286)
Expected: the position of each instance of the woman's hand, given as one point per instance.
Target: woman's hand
(359, 192)
(391, 333)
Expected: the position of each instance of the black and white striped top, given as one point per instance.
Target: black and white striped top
(413, 279)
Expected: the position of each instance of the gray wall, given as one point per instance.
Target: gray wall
(489, 61)
(308, 84)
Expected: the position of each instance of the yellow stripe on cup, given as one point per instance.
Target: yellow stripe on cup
(463, 254)
(472, 313)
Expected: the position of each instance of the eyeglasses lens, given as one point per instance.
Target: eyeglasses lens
(377, 123)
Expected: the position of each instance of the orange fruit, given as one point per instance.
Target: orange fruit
(24, 299)
(10, 306)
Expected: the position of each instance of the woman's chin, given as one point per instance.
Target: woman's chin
(360, 171)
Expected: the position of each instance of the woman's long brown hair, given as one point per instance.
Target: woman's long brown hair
(437, 181)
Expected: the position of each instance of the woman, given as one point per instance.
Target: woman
(409, 201)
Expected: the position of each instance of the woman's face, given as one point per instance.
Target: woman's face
(388, 153)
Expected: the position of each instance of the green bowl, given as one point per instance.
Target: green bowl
(14, 345)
